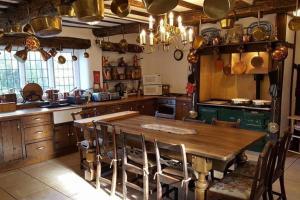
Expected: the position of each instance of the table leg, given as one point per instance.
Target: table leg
(201, 166)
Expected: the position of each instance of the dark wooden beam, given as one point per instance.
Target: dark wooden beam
(189, 5)
(118, 30)
(81, 23)
(52, 42)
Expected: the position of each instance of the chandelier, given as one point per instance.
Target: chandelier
(166, 33)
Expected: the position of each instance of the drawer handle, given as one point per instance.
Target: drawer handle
(40, 148)
(37, 119)
(39, 132)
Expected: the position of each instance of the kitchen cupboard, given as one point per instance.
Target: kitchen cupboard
(11, 147)
(64, 138)
(182, 109)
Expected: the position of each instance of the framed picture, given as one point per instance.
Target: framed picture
(96, 75)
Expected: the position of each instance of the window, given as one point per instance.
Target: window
(64, 74)
(9, 72)
(48, 74)
(36, 70)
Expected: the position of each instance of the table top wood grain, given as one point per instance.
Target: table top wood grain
(211, 142)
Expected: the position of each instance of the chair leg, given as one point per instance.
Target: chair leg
(265, 196)
(114, 179)
(146, 186)
(159, 188)
(270, 193)
(176, 193)
(212, 175)
(185, 191)
(124, 181)
(167, 191)
(98, 174)
(81, 158)
(282, 187)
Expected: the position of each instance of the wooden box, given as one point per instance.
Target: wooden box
(8, 107)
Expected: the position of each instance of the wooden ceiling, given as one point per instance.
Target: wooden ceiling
(190, 10)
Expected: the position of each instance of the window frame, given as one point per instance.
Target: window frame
(50, 69)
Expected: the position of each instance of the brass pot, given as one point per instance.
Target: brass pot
(32, 43)
(192, 57)
(44, 26)
(294, 24)
(28, 29)
(89, 10)
(86, 55)
(198, 42)
(157, 7)
(8, 47)
(21, 56)
(120, 8)
(277, 55)
(218, 9)
(66, 10)
(227, 23)
(52, 52)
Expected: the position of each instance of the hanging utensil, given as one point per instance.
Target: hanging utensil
(158, 7)
(273, 127)
(32, 43)
(44, 54)
(89, 10)
(46, 26)
(239, 67)
(86, 54)
(259, 33)
(53, 52)
(217, 9)
(257, 61)
(123, 44)
(198, 39)
(120, 8)
(294, 23)
(21, 56)
(66, 10)
(61, 59)
(8, 47)
(193, 113)
(192, 57)
(219, 63)
(74, 58)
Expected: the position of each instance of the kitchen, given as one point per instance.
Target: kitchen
(79, 79)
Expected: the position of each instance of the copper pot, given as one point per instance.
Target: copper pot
(120, 8)
(61, 59)
(157, 7)
(21, 56)
(66, 10)
(45, 55)
(218, 9)
(277, 55)
(8, 47)
(44, 26)
(52, 52)
(86, 55)
(32, 43)
(294, 24)
(192, 57)
(89, 10)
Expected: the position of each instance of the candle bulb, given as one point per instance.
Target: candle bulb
(161, 23)
(143, 37)
(151, 22)
(179, 19)
(162, 34)
(183, 35)
(151, 37)
(190, 35)
(171, 18)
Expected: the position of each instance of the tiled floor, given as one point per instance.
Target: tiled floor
(61, 179)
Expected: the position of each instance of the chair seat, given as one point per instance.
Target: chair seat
(233, 187)
(137, 157)
(246, 169)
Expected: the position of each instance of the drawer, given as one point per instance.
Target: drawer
(35, 119)
(40, 150)
(38, 132)
(207, 114)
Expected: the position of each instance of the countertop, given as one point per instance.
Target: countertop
(228, 105)
(34, 111)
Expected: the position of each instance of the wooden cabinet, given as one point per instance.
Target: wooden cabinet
(64, 138)
(11, 146)
(40, 151)
(146, 107)
(182, 109)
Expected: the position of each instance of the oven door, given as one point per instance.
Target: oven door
(166, 111)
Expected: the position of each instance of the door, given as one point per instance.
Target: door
(11, 140)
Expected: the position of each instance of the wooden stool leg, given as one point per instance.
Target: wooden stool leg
(98, 174)
(81, 158)
(159, 188)
(114, 178)
(282, 187)
(146, 186)
(124, 181)
(185, 191)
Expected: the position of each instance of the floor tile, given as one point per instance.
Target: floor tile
(47, 194)
(13, 178)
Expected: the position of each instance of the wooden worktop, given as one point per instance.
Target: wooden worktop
(34, 111)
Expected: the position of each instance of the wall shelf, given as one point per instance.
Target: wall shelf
(115, 47)
(247, 47)
(119, 80)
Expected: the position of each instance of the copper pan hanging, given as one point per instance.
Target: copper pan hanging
(218, 9)
(294, 23)
(158, 7)
(120, 8)
(89, 10)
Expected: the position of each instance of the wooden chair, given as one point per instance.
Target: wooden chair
(221, 166)
(79, 133)
(169, 171)
(243, 188)
(135, 160)
(106, 152)
(248, 168)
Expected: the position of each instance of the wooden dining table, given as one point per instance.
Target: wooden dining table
(203, 142)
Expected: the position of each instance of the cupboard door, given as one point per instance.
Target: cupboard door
(147, 108)
(11, 135)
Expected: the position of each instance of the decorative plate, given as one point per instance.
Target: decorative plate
(178, 54)
(265, 24)
(210, 33)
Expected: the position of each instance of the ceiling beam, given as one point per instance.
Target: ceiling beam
(189, 5)
(119, 30)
